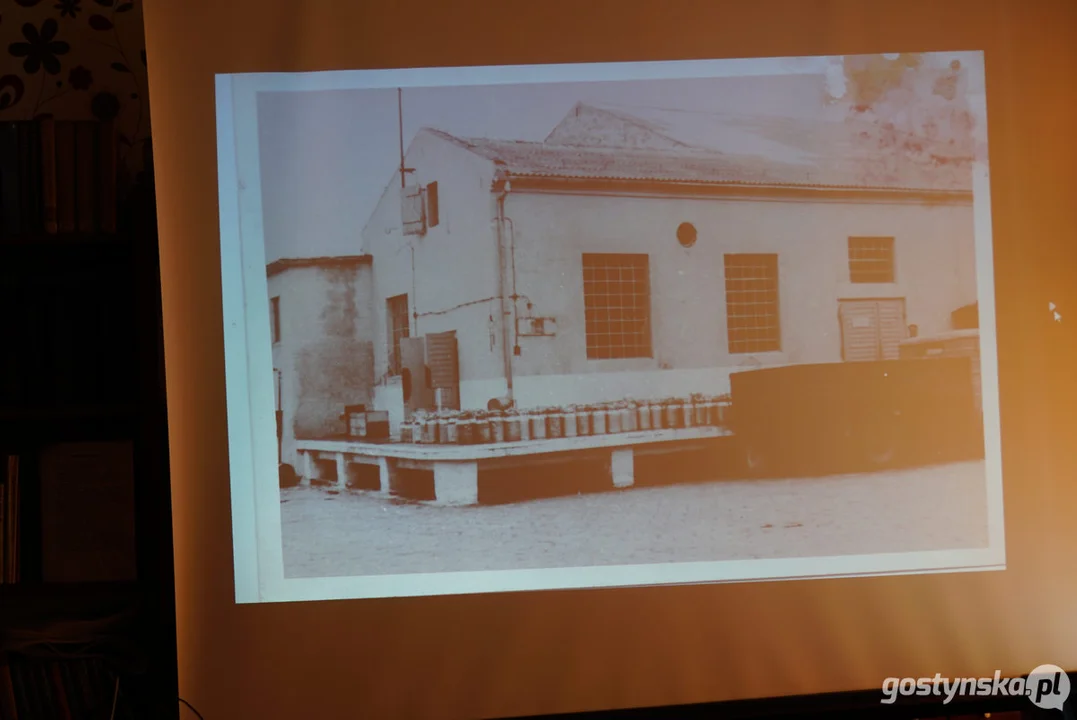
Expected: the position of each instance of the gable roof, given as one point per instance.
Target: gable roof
(703, 166)
(783, 130)
(607, 125)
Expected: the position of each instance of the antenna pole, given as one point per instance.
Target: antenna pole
(400, 127)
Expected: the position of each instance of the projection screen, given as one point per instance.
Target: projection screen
(544, 327)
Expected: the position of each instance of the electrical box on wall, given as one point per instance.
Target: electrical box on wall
(536, 326)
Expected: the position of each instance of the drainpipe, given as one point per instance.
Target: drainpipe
(501, 188)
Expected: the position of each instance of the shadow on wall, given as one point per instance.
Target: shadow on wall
(331, 374)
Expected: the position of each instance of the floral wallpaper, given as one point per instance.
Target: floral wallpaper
(77, 60)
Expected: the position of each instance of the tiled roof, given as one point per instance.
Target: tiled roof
(738, 134)
(547, 160)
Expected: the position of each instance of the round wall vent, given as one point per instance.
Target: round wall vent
(686, 234)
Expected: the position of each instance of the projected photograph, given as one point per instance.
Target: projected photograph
(578, 326)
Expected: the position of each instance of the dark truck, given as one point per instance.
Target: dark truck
(832, 418)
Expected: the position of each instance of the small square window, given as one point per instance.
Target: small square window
(871, 259)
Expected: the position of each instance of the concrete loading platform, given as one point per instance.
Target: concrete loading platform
(497, 472)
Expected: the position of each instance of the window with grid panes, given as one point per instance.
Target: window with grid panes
(617, 305)
(871, 259)
(751, 301)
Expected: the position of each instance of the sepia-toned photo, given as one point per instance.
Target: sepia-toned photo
(639, 324)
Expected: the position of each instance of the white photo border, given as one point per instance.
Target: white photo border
(256, 519)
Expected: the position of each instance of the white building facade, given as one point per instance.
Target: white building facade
(597, 267)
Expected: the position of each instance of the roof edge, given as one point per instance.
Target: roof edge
(553, 183)
(339, 261)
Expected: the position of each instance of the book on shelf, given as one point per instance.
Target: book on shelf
(3, 526)
(9, 520)
(65, 176)
(48, 174)
(86, 177)
(66, 689)
(10, 188)
(87, 504)
(88, 512)
(30, 164)
(57, 176)
(68, 343)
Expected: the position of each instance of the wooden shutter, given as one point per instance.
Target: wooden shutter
(443, 359)
(859, 331)
(872, 329)
(433, 215)
(892, 328)
(412, 213)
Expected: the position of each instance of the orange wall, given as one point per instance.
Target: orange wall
(558, 651)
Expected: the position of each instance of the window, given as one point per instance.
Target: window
(274, 319)
(396, 309)
(871, 259)
(433, 214)
(751, 302)
(617, 305)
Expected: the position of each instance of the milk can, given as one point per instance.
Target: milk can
(555, 427)
(658, 414)
(537, 422)
(613, 419)
(465, 429)
(674, 414)
(583, 420)
(717, 411)
(699, 407)
(568, 421)
(448, 431)
(712, 410)
(429, 430)
(483, 429)
(524, 418)
(706, 412)
(599, 421)
(689, 412)
(512, 427)
(643, 415)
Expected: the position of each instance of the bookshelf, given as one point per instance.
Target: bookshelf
(87, 595)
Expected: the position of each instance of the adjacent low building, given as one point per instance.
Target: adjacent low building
(323, 354)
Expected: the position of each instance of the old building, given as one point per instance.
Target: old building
(615, 260)
(321, 320)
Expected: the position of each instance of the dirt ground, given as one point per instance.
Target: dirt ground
(353, 533)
